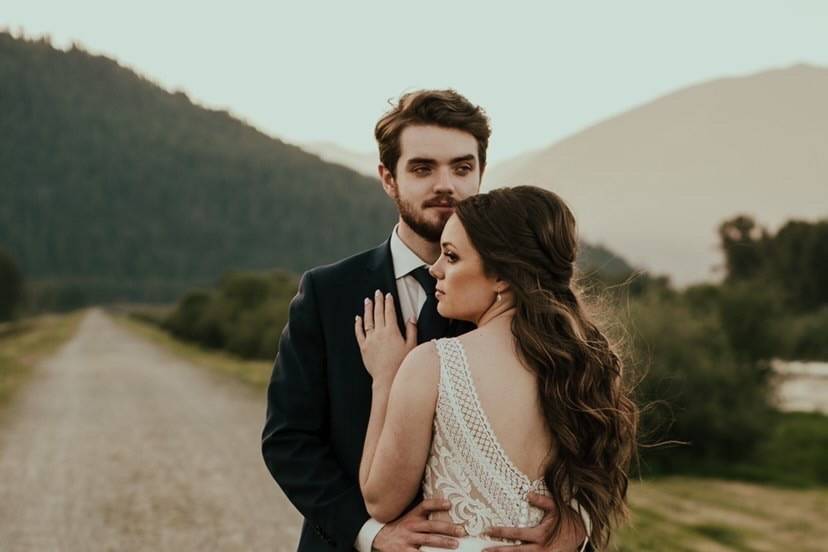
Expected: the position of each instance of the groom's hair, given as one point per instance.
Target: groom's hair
(443, 108)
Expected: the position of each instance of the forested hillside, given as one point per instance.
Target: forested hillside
(113, 188)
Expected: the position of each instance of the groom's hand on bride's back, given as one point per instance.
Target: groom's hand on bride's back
(414, 529)
(539, 538)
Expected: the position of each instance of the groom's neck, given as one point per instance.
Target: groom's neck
(426, 250)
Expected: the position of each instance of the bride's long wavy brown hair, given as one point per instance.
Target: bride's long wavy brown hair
(527, 237)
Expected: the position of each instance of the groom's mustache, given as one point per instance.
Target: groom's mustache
(441, 202)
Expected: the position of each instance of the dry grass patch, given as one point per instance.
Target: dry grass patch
(25, 342)
(694, 514)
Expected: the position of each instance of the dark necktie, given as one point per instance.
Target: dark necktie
(430, 325)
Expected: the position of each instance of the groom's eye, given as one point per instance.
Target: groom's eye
(463, 169)
(421, 171)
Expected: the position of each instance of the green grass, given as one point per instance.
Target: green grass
(796, 454)
(698, 514)
(253, 372)
(650, 531)
(722, 534)
(25, 342)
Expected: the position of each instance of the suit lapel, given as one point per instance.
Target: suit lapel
(380, 275)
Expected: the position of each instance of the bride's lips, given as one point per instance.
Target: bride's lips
(438, 292)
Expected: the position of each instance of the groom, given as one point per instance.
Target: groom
(432, 148)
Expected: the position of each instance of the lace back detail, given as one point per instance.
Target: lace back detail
(467, 464)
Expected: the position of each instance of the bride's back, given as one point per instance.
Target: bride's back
(508, 393)
(491, 442)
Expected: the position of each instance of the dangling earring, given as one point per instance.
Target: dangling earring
(499, 297)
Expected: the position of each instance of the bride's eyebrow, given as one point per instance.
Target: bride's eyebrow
(447, 243)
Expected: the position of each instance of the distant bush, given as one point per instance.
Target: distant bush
(751, 314)
(152, 314)
(758, 323)
(795, 452)
(244, 314)
(799, 447)
(67, 294)
(184, 320)
(805, 336)
(11, 287)
(696, 387)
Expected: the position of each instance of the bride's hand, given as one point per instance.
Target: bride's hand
(380, 342)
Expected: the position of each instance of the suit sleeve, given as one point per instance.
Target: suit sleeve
(295, 441)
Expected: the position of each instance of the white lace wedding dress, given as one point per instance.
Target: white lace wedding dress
(467, 464)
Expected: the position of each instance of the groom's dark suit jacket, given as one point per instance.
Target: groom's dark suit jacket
(319, 398)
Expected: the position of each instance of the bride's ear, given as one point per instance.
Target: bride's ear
(502, 286)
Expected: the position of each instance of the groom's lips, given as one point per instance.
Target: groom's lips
(442, 204)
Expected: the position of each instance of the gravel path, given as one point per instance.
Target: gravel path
(116, 445)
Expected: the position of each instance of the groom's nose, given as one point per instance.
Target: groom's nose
(444, 180)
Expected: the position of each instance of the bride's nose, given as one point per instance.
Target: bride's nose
(435, 272)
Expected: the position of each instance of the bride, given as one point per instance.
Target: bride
(524, 414)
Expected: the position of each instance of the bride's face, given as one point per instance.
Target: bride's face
(464, 292)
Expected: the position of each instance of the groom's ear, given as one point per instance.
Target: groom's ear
(389, 183)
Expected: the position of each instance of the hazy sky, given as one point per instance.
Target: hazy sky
(308, 70)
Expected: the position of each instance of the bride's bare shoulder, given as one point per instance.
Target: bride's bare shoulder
(419, 372)
(423, 357)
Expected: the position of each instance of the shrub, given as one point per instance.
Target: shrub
(245, 314)
(694, 387)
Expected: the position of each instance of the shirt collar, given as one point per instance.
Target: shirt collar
(404, 259)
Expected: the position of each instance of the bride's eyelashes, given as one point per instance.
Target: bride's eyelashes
(450, 257)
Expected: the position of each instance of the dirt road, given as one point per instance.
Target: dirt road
(115, 445)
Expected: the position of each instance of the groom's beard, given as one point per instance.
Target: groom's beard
(416, 220)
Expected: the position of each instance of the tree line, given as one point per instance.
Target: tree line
(701, 357)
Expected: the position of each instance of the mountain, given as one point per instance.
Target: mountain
(113, 188)
(363, 163)
(654, 183)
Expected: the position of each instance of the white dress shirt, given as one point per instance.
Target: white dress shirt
(412, 298)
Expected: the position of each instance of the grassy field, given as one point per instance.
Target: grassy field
(254, 372)
(694, 514)
(25, 342)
